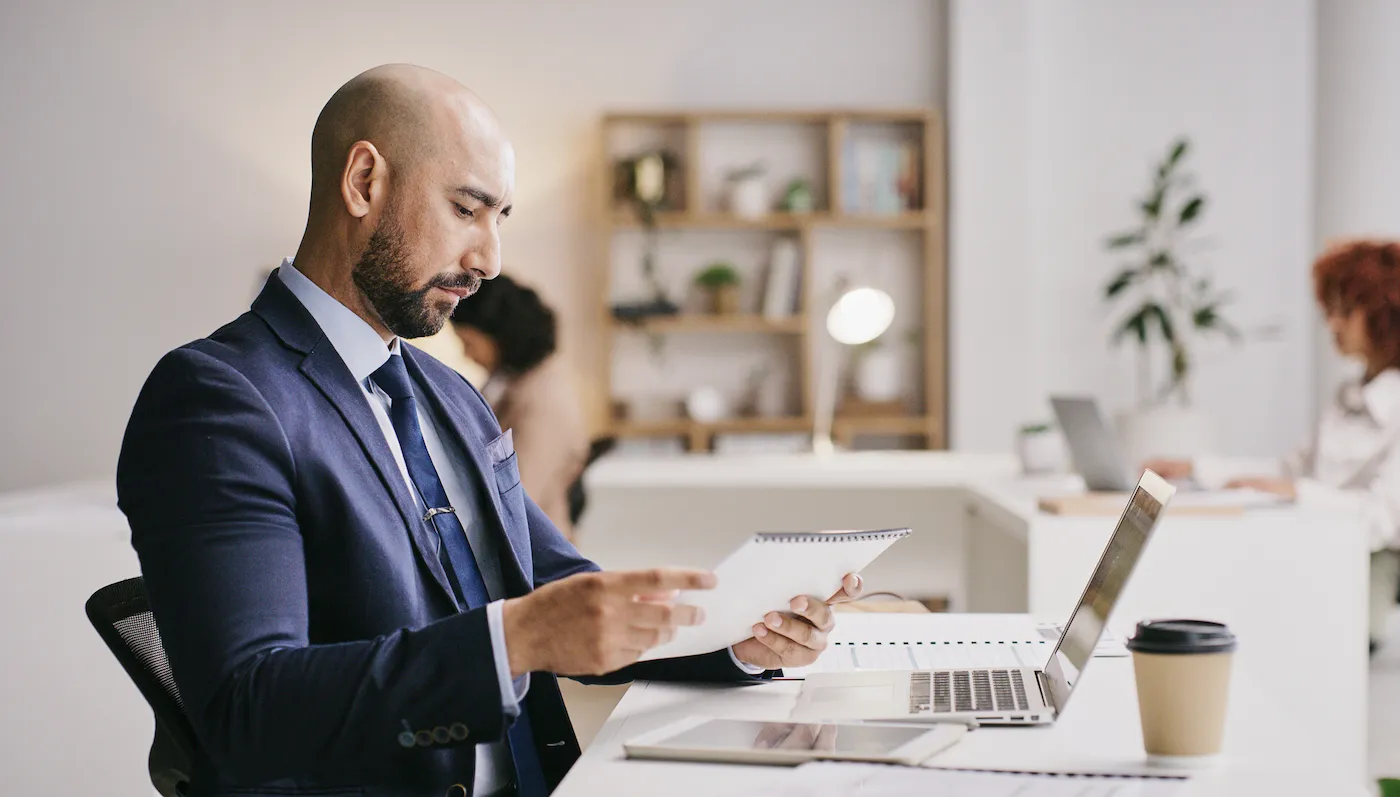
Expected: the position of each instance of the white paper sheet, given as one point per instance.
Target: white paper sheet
(764, 575)
(865, 780)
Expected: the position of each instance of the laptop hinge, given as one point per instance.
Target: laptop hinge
(1044, 688)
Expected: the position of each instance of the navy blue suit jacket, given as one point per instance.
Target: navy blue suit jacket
(307, 618)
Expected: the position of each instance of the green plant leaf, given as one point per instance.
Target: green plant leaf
(1192, 209)
(1152, 206)
(1120, 283)
(1135, 325)
(1126, 239)
(1162, 261)
(1178, 151)
(1154, 312)
(716, 275)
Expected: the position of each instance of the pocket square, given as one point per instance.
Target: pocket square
(500, 449)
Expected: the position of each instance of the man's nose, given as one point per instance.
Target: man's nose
(486, 256)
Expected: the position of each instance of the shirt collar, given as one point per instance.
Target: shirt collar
(353, 338)
(1382, 396)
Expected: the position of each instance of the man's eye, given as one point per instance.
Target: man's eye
(463, 212)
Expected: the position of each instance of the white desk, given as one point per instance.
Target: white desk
(1266, 752)
(979, 539)
(73, 721)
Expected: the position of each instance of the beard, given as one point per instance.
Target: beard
(384, 274)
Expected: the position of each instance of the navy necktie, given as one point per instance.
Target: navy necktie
(392, 377)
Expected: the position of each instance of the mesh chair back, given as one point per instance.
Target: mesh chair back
(122, 617)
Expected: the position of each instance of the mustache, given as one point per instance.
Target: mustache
(469, 281)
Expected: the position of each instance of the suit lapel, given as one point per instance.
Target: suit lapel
(328, 372)
(465, 431)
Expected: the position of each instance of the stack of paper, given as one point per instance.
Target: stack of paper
(870, 780)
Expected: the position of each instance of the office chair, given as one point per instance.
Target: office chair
(122, 616)
(578, 499)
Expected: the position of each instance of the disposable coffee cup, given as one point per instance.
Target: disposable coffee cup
(1183, 685)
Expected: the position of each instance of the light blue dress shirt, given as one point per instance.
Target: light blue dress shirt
(363, 352)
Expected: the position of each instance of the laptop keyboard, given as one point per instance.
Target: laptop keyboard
(946, 691)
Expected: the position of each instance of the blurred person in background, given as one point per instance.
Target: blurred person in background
(1352, 457)
(511, 333)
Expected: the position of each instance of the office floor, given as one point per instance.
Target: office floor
(1384, 700)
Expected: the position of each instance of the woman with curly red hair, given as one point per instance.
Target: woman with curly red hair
(1352, 459)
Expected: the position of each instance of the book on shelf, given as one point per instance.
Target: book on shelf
(880, 177)
(782, 280)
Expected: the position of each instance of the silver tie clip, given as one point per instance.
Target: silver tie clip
(438, 510)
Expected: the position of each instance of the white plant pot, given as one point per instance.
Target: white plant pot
(878, 375)
(1172, 432)
(1040, 453)
(748, 198)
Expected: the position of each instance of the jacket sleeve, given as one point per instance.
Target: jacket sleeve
(206, 479)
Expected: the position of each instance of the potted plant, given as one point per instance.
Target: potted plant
(748, 195)
(721, 281)
(1168, 307)
(798, 197)
(1039, 449)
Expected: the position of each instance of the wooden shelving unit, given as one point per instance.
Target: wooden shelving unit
(685, 131)
(694, 322)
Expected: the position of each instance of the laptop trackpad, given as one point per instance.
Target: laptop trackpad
(857, 695)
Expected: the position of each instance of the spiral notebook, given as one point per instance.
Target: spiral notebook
(764, 575)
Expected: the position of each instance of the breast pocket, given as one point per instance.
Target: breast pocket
(505, 467)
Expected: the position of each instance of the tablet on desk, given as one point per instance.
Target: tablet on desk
(782, 743)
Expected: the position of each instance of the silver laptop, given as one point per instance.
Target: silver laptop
(1094, 447)
(1000, 696)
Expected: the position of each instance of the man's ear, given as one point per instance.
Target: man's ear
(362, 179)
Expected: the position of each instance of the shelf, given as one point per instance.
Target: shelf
(766, 116)
(774, 221)
(696, 322)
(679, 427)
(847, 426)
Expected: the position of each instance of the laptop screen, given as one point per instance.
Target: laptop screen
(1086, 624)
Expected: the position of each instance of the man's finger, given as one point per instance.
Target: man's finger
(852, 586)
(775, 642)
(656, 615)
(816, 612)
(796, 629)
(662, 579)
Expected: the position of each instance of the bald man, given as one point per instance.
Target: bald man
(354, 591)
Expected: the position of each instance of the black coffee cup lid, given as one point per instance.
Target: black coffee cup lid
(1182, 636)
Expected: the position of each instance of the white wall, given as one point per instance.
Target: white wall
(1056, 112)
(1358, 135)
(157, 155)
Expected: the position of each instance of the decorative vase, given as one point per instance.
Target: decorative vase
(748, 197)
(878, 376)
(1164, 431)
(1040, 452)
(725, 299)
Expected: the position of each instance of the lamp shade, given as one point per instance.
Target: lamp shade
(860, 316)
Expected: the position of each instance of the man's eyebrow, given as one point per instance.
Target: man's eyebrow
(480, 196)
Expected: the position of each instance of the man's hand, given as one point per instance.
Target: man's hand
(1267, 484)
(1170, 469)
(594, 623)
(796, 638)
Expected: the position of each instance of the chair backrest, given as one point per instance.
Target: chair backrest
(578, 499)
(122, 617)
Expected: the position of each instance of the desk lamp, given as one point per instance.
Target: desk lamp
(859, 315)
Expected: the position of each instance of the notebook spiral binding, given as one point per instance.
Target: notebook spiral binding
(831, 536)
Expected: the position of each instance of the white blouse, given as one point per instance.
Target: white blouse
(1351, 461)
